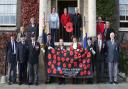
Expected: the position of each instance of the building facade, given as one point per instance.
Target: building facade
(15, 13)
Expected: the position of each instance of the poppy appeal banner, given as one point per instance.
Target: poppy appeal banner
(64, 63)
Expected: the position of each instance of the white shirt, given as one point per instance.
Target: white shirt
(13, 45)
(100, 44)
(74, 45)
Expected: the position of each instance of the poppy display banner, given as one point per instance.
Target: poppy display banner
(65, 63)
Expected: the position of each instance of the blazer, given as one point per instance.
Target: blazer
(107, 34)
(100, 54)
(33, 56)
(65, 19)
(9, 52)
(112, 51)
(22, 52)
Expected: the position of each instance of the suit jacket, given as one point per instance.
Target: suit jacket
(22, 52)
(50, 44)
(34, 53)
(9, 52)
(112, 51)
(77, 21)
(100, 53)
(33, 30)
(107, 34)
(65, 19)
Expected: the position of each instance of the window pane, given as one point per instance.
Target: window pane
(123, 1)
(122, 12)
(8, 1)
(123, 24)
(8, 12)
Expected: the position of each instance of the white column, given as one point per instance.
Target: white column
(78, 4)
(91, 18)
(42, 16)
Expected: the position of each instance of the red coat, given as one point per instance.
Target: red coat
(100, 27)
(65, 19)
(78, 46)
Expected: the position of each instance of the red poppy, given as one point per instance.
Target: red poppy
(88, 65)
(49, 63)
(88, 54)
(58, 49)
(83, 56)
(69, 66)
(61, 72)
(89, 73)
(62, 51)
(63, 59)
(54, 57)
(49, 70)
(65, 51)
(52, 66)
(84, 61)
(58, 63)
(65, 54)
(54, 61)
(75, 64)
(75, 56)
(85, 72)
(64, 65)
(58, 58)
(86, 51)
(52, 50)
(80, 65)
(85, 66)
(71, 53)
(67, 59)
(81, 73)
(54, 71)
(49, 56)
(81, 50)
(58, 53)
(79, 55)
(71, 61)
(88, 60)
(76, 52)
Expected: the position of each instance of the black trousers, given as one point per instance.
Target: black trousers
(100, 71)
(22, 72)
(53, 34)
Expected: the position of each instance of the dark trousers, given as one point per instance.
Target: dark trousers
(99, 71)
(53, 34)
(22, 72)
(77, 32)
(12, 70)
(33, 72)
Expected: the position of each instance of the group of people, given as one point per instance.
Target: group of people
(24, 50)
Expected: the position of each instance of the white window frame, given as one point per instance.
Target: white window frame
(9, 25)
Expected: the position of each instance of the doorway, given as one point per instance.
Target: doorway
(70, 5)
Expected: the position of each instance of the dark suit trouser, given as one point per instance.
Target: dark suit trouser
(12, 70)
(53, 34)
(100, 71)
(22, 72)
(33, 72)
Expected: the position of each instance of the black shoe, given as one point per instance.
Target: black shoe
(20, 83)
(30, 83)
(36, 83)
(110, 82)
(9, 83)
(115, 82)
(47, 82)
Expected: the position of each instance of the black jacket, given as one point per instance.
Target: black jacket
(22, 52)
(9, 52)
(34, 53)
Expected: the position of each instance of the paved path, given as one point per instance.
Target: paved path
(67, 86)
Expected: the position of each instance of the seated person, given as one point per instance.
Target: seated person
(61, 44)
(75, 45)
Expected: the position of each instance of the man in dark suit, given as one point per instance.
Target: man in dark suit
(22, 59)
(112, 58)
(99, 47)
(32, 29)
(33, 61)
(107, 31)
(77, 23)
(11, 53)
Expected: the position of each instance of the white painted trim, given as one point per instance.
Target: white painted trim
(123, 29)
